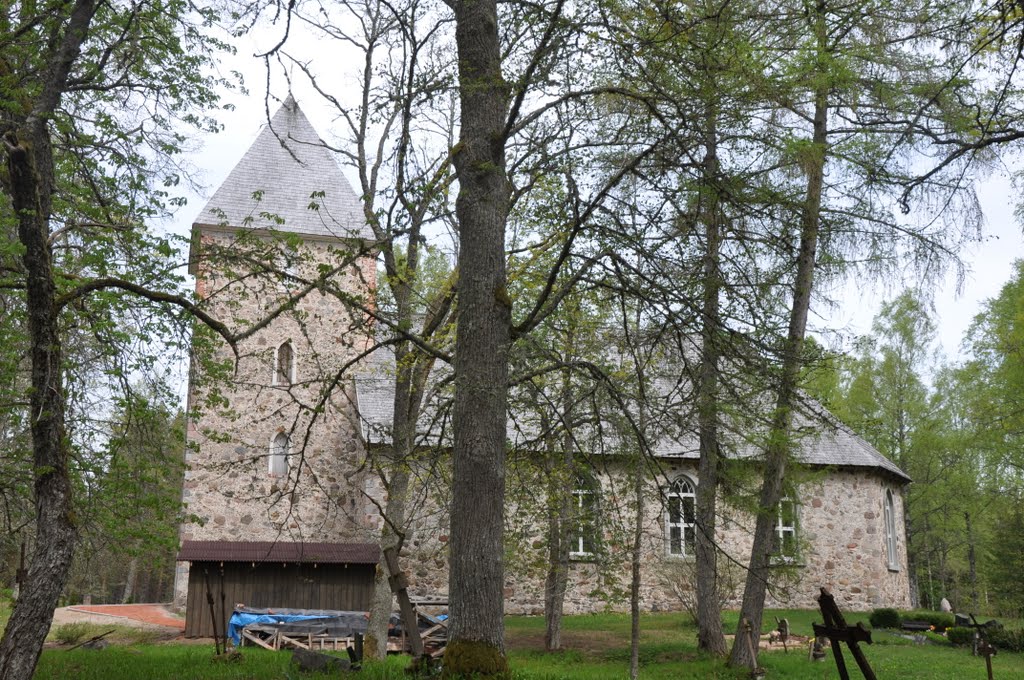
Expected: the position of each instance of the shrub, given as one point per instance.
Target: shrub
(1006, 639)
(884, 618)
(960, 636)
(70, 633)
(940, 620)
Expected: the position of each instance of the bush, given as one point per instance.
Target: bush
(1006, 639)
(960, 636)
(940, 620)
(884, 618)
(70, 633)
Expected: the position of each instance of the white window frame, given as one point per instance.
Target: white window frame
(275, 369)
(892, 554)
(782, 529)
(585, 500)
(280, 448)
(683, 491)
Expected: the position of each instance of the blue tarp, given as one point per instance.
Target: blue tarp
(240, 620)
(328, 622)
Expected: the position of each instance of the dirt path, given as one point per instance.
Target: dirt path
(147, 616)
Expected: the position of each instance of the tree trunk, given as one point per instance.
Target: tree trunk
(559, 522)
(972, 562)
(908, 536)
(476, 577)
(412, 369)
(557, 577)
(129, 580)
(710, 636)
(30, 181)
(30, 172)
(635, 568)
(375, 645)
(780, 443)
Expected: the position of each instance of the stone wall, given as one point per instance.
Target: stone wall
(229, 492)
(840, 530)
(328, 495)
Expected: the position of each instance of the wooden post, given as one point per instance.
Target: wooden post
(223, 609)
(748, 632)
(213, 612)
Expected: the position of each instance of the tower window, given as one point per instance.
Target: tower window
(284, 364)
(279, 456)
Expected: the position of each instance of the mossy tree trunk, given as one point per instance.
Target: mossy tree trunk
(483, 335)
(29, 181)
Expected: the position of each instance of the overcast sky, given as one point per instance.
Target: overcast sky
(989, 261)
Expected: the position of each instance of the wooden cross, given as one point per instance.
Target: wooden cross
(987, 651)
(836, 630)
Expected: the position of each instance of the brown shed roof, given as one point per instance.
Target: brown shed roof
(278, 551)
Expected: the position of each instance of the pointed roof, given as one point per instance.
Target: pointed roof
(288, 180)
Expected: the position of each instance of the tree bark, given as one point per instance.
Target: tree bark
(476, 577)
(710, 636)
(636, 569)
(30, 182)
(780, 443)
(375, 645)
(972, 562)
(29, 165)
(129, 580)
(559, 523)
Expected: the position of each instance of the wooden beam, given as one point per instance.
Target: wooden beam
(246, 635)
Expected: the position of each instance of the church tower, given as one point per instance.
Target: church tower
(275, 497)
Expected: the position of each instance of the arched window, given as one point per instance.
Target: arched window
(890, 531)
(279, 455)
(680, 526)
(583, 539)
(284, 364)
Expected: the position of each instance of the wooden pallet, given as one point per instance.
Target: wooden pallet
(270, 638)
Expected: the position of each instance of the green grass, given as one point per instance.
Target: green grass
(597, 646)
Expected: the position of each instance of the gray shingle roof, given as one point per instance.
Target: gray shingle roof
(286, 165)
(824, 442)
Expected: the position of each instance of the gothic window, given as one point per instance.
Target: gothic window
(786, 530)
(890, 531)
(680, 518)
(284, 364)
(583, 539)
(279, 455)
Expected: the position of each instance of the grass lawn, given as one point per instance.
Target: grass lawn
(596, 647)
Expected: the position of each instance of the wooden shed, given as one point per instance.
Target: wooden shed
(266, 574)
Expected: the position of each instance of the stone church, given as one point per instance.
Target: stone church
(281, 507)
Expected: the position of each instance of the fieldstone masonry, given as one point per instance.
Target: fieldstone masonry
(229, 491)
(840, 530)
(327, 495)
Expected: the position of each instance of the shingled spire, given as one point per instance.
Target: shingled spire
(289, 181)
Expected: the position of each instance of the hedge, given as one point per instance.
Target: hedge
(884, 618)
(890, 618)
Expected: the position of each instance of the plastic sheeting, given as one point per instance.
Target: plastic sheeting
(304, 622)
